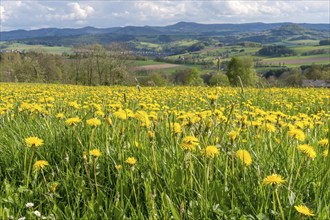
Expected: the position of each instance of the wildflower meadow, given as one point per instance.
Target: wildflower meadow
(75, 152)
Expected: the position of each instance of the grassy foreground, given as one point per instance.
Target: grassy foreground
(73, 152)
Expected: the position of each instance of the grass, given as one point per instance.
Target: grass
(163, 153)
(305, 49)
(146, 62)
(296, 61)
(26, 47)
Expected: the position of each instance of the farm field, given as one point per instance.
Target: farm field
(77, 152)
(294, 61)
(26, 47)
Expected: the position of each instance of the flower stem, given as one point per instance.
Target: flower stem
(29, 170)
(95, 179)
(279, 204)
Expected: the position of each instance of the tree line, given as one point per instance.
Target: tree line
(87, 65)
(99, 65)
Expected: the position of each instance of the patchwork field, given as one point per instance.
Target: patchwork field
(75, 152)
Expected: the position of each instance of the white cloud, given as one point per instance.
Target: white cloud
(60, 13)
(3, 16)
(74, 12)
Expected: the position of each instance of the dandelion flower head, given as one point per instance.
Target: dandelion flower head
(308, 150)
(304, 210)
(72, 121)
(131, 161)
(273, 179)
(40, 164)
(210, 151)
(93, 122)
(34, 142)
(297, 134)
(95, 153)
(244, 156)
(189, 143)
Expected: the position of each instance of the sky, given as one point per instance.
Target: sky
(37, 14)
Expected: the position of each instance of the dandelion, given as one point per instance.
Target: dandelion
(244, 156)
(189, 143)
(99, 113)
(60, 116)
(53, 187)
(323, 142)
(270, 127)
(143, 117)
(308, 150)
(273, 179)
(108, 121)
(119, 167)
(151, 134)
(121, 114)
(34, 142)
(212, 97)
(304, 210)
(93, 122)
(297, 134)
(95, 153)
(210, 151)
(40, 164)
(176, 128)
(131, 161)
(325, 153)
(72, 121)
(233, 135)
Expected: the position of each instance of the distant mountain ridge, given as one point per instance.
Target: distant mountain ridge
(190, 28)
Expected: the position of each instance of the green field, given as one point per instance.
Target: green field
(145, 62)
(38, 48)
(295, 61)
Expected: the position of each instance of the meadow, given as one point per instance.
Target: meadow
(75, 152)
(38, 48)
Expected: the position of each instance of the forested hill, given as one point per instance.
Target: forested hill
(259, 32)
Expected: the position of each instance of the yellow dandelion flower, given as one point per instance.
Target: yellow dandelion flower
(143, 117)
(40, 164)
(131, 161)
(151, 134)
(325, 153)
(233, 135)
(244, 156)
(108, 121)
(119, 167)
(99, 113)
(308, 150)
(34, 142)
(60, 116)
(95, 153)
(72, 121)
(270, 127)
(93, 122)
(297, 134)
(189, 143)
(176, 128)
(53, 187)
(304, 210)
(210, 151)
(121, 114)
(273, 179)
(323, 142)
(212, 97)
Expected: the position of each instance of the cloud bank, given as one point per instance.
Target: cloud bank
(39, 14)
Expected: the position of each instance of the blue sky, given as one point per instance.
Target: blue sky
(74, 14)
